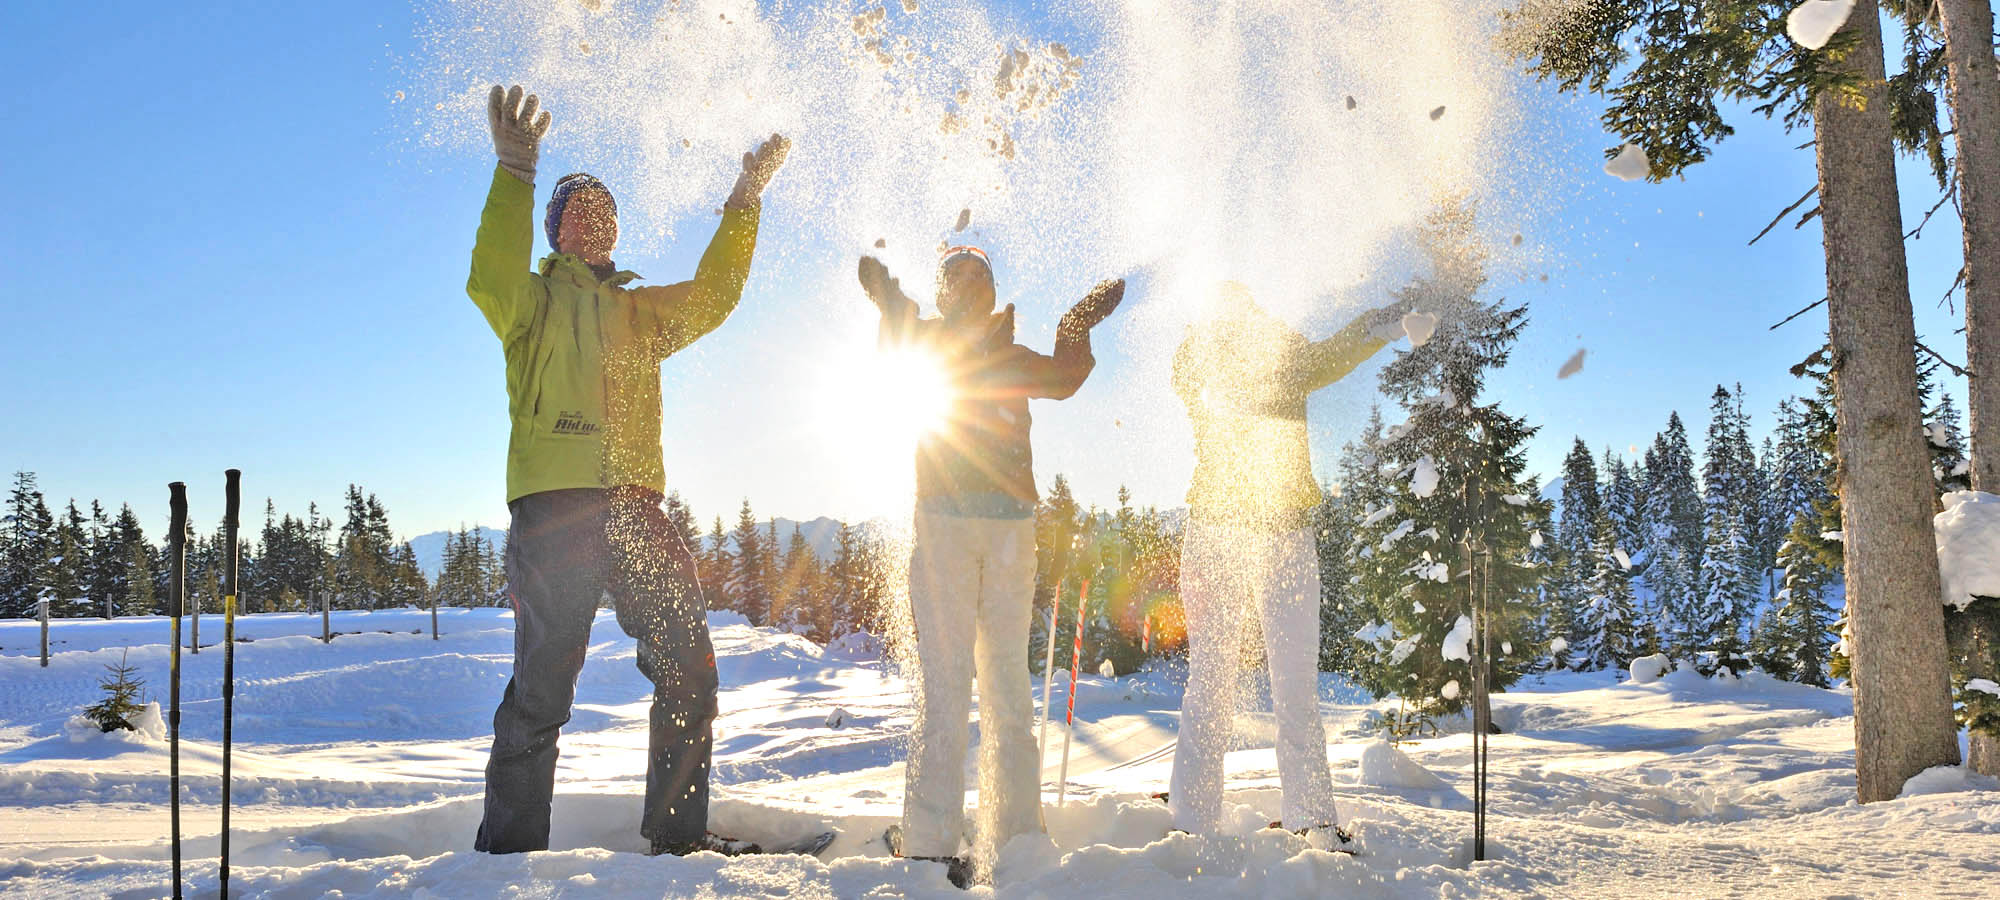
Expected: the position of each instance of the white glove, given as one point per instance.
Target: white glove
(517, 130)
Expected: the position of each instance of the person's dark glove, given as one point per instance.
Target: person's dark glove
(1095, 306)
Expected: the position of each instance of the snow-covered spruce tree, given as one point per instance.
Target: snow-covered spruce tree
(1673, 515)
(1558, 619)
(1569, 581)
(1949, 464)
(1341, 609)
(1363, 490)
(1612, 629)
(1624, 505)
(1461, 521)
(1730, 585)
(1794, 634)
(120, 707)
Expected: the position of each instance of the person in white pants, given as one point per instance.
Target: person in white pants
(1250, 548)
(972, 568)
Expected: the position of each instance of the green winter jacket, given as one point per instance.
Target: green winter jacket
(583, 354)
(1245, 389)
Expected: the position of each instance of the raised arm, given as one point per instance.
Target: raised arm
(684, 312)
(500, 283)
(1059, 376)
(1326, 361)
(899, 312)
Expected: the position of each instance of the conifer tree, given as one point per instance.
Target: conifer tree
(120, 707)
(68, 565)
(1611, 628)
(27, 540)
(718, 567)
(1461, 520)
(750, 579)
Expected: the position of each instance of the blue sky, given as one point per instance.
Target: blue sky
(229, 248)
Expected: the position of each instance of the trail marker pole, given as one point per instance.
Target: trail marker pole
(42, 612)
(325, 617)
(1069, 720)
(176, 605)
(434, 613)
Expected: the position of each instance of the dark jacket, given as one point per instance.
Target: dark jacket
(979, 463)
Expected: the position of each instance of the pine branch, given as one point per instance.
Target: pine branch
(1809, 308)
(1786, 212)
(1960, 371)
(1950, 194)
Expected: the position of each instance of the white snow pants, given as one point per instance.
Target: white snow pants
(972, 587)
(1225, 573)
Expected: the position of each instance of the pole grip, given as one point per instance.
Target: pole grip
(177, 508)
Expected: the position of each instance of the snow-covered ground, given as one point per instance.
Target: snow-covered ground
(358, 773)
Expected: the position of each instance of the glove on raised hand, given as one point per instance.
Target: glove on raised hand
(517, 130)
(1095, 306)
(758, 167)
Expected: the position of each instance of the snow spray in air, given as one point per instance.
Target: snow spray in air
(1289, 145)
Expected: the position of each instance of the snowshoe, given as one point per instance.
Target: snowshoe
(1339, 840)
(810, 845)
(709, 842)
(956, 870)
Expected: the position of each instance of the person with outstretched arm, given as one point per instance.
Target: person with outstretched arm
(972, 565)
(583, 346)
(1250, 550)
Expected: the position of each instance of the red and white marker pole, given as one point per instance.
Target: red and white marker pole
(1069, 720)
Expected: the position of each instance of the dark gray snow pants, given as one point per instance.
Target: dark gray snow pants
(565, 549)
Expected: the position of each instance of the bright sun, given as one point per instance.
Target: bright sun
(911, 395)
(866, 409)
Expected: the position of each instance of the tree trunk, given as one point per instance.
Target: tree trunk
(1901, 676)
(1975, 115)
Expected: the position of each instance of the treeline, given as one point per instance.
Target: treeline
(103, 565)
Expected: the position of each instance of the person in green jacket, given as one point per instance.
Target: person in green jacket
(1249, 548)
(583, 346)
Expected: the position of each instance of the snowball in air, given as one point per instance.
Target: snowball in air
(1450, 690)
(1419, 327)
(1573, 366)
(1558, 645)
(1630, 164)
(1813, 23)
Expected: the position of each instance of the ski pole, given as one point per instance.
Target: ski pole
(1069, 720)
(176, 602)
(232, 494)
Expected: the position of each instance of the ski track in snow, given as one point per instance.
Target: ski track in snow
(359, 770)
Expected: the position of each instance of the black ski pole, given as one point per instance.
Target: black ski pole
(176, 604)
(231, 500)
